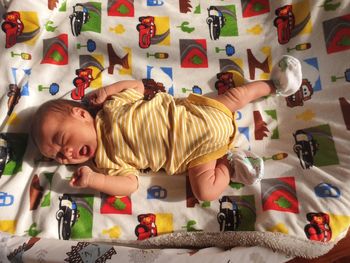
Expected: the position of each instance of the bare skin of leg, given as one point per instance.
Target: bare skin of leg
(236, 98)
(210, 179)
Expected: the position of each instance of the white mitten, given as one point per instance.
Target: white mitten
(286, 76)
(248, 167)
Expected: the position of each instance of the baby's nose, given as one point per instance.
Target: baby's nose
(68, 151)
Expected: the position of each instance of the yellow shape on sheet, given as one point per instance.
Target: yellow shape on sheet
(31, 42)
(280, 227)
(113, 232)
(238, 78)
(118, 29)
(127, 71)
(307, 115)
(8, 226)
(255, 30)
(338, 224)
(31, 23)
(164, 223)
(13, 120)
(301, 11)
(162, 27)
(96, 72)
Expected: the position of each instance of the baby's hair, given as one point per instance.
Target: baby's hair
(62, 107)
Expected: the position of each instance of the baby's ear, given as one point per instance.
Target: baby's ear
(79, 112)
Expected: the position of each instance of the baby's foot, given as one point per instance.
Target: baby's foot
(248, 167)
(286, 76)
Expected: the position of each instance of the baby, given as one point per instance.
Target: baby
(192, 134)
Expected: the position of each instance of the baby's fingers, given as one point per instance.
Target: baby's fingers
(96, 101)
(75, 181)
(92, 99)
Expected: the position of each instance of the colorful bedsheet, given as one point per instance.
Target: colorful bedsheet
(51, 49)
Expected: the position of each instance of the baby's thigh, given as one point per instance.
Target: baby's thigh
(233, 99)
(200, 173)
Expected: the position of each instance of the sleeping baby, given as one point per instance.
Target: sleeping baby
(129, 134)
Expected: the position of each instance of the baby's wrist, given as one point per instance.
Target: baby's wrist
(90, 179)
(105, 90)
(96, 180)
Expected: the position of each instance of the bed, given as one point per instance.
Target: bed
(59, 48)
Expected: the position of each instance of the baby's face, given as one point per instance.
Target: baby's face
(68, 140)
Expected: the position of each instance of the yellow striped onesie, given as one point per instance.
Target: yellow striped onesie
(173, 134)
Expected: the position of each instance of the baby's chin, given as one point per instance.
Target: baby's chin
(80, 160)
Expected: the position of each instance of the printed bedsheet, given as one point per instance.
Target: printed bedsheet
(51, 49)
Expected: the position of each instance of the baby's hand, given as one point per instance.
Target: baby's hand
(97, 98)
(82, 177)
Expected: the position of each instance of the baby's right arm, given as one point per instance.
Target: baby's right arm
(123, 85)
(99, 96)
(85, 177)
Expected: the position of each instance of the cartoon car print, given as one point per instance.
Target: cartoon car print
(284, 22)
(66, 216)
(155, 2)
(152, 88)
(6, 199)
(4, 153)
(229, 217)
(13, 27)
(319, 228)
(14, 95)
(147, 30)
(224, 82)
(303, 94)
(156, 192)
(147, 227)
(327, 190)
(79, 17)
(305, 147)
(81, 82)
(215, 21)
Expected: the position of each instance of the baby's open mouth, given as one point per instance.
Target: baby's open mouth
(84, 151)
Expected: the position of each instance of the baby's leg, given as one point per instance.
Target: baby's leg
(236, 98)
(210, 179)
(285, 80)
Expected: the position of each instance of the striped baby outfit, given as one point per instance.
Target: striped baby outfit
(164, 132)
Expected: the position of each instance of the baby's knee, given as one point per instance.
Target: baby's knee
(203, 190)
(237, 95)
(234, 98)
(203, 181)
(206, 195)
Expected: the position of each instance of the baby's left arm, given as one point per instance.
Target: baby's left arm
(85, 177)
